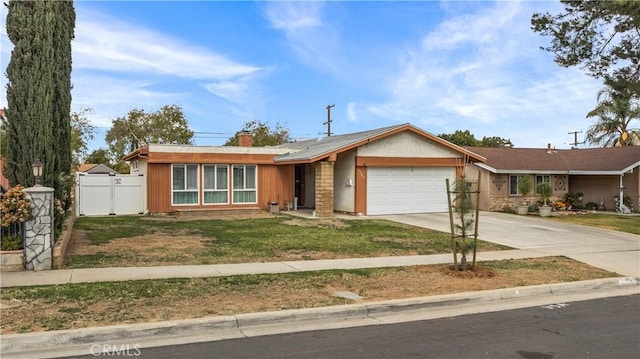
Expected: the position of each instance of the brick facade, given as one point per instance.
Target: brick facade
(324, 188)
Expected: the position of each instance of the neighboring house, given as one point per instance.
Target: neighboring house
(596, 172)
(92, 169)
(397, 169)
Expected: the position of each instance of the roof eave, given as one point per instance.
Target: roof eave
(140, 152)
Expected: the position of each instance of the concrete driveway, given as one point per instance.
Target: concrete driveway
(611, 250)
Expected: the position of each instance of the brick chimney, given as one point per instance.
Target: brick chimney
(245, 139)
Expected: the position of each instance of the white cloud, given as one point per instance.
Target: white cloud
(243, 95)
(314, 41)
(105, 43)
(484, 70)
(112, 97)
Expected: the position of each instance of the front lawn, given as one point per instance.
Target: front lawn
(616, 222)
(80, 305)
(150, 241)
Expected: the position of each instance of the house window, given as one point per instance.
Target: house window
(541, 179)
(513, 184)
(216, 184)
(185, 184)
(244, 184)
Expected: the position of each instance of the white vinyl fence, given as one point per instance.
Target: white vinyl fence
(109, 194)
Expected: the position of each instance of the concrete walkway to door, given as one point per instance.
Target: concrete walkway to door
(611, 250)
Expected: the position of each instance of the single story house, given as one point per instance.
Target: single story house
(391, 170)
(599, 173)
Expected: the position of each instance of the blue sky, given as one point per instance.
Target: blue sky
(442, 66)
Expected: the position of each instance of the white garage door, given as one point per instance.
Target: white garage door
(398, 190)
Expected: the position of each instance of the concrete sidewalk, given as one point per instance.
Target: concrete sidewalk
(62, 276)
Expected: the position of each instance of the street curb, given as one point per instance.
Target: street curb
(15, 344)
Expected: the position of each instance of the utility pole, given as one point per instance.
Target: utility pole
(328, 123)
(575, 139)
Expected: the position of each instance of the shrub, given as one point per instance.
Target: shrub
(15, 207)
(590, 206)
(10, 243)
(508, 209)
(545, 192)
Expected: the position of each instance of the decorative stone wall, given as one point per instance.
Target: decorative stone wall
(498, 204)
(40, 230)
(324, 188)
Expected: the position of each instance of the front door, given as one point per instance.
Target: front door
(299, 186)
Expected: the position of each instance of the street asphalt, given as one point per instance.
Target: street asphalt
(532, 237)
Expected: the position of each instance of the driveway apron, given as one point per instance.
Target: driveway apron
(615, 251)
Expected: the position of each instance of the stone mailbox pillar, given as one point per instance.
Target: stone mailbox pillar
(39, 231)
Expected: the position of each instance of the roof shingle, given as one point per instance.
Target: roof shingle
(594, 160)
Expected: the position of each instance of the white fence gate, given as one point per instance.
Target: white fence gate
(109, 194)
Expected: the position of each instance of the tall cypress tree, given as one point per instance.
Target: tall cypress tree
(39, 90)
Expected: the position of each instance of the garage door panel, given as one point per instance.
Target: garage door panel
(397, 190)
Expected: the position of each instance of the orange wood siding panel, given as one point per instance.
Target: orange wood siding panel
(274, 183)
(361, 190)
(367, 161)
(159, 188)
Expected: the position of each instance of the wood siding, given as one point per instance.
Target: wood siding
(361, 190)
(159, 187)
(275, 183)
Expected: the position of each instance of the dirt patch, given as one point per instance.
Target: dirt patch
(147, 243)
(318, 223)
(146, 250)
(143, 301)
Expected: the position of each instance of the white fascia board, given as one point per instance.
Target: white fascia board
(217, 149)
(630, 168)
(537, 172)
(596, 173)
(484, 166)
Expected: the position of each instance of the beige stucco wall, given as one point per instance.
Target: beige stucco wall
(344, 182)
(494, 195)
(141, 166)
(406, 144)
(471, 173)
(597, 188)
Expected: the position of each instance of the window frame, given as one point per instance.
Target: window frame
(515, 185)
(548, 180)
(206, 190)
(186, 188)
(244, 188)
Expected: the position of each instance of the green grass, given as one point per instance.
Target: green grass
(90, 293)
(118, 227)
(263, 239)
(617, 222)
(77, 305)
